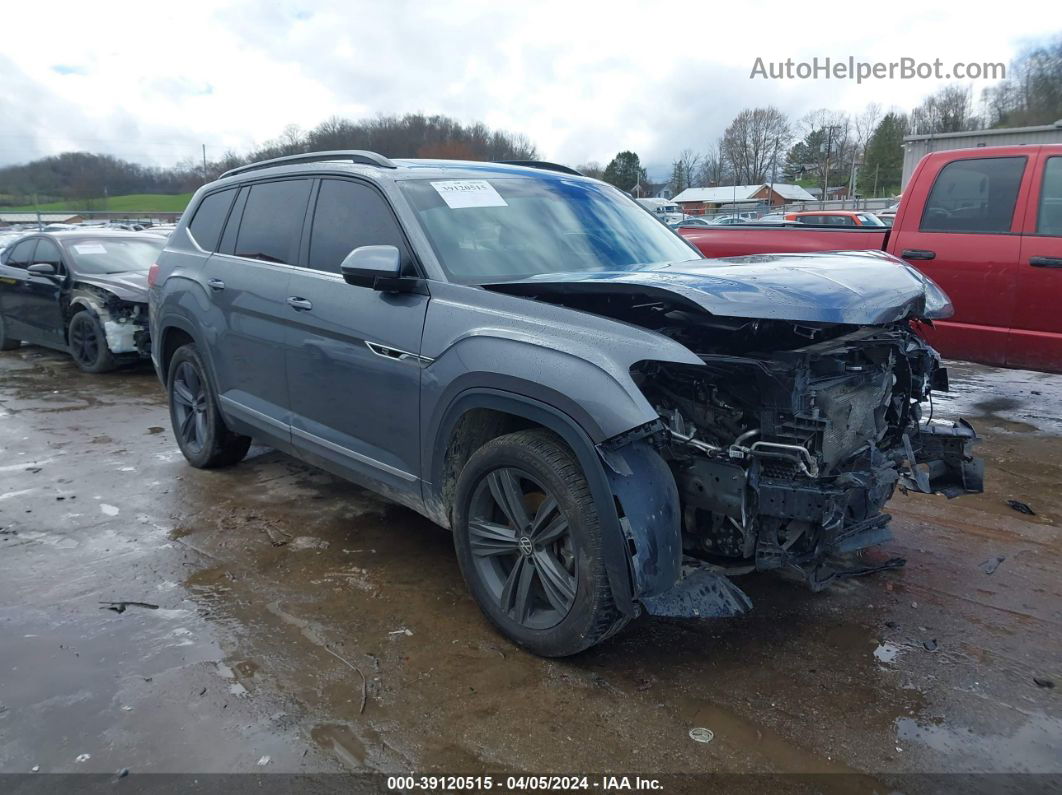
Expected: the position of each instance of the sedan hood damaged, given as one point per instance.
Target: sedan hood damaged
(853, 288)
(129, 286)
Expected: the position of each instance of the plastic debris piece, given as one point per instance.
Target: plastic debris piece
(990, 565)
(262, 762)
(702, 735)
(1021, 507)
(1043, 682)
(83, 757)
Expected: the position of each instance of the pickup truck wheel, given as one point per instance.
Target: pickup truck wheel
(7, 343)
(88, 344)
(529, 545)
(201, 433)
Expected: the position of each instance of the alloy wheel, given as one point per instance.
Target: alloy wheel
(190, 406)
(84, 344)
(522, 548)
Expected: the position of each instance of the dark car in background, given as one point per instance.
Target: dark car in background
(84, 292)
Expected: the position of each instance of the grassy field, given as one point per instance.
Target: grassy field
(134, 202)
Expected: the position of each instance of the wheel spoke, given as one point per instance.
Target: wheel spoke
(187, 429)
(200, 427)
(545, 512)
(487, 538)
(516, 595)
(552, 532)
(191, 378)
(505, 489)
(557, 583)
(182, 395)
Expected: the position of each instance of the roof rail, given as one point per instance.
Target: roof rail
(353, 155)
(542, 164)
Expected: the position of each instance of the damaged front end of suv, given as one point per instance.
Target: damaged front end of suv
(811, 406)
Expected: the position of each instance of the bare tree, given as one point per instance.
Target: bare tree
(591, 169)
(713, 170)
(754, 141)
(948, 110)
(684, 171)
(865, 125)
(829, 138)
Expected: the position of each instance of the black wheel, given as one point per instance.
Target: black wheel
(7, 343)
(200, 430)
(88, 344)
(529, 545)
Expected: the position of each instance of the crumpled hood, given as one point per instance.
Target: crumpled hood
(852, 287)
(129, 286)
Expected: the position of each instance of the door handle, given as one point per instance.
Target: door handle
(1046, 262)
(918, 253)
(299, 304)
(216, 285)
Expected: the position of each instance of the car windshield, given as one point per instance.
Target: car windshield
(505, 228)
(114, 255)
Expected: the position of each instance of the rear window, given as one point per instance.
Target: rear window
(114, 255)
(1049, 221)
(272, 221)
(974, 195)
(210, 217)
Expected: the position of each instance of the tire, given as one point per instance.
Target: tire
(545, 587)
(201, 433)
(7, 343)
(88, 344)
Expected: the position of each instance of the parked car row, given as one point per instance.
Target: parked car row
(607, 423)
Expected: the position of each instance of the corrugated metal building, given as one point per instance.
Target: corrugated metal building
(918, 146)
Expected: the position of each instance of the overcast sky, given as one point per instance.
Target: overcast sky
(152, 82)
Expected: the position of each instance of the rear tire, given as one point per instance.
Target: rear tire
(529, 545)
(198, 426)
(7, 343)
(88, 344)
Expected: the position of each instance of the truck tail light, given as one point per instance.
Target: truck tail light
(153, 274)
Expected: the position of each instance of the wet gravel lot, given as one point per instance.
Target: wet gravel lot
(303, 625)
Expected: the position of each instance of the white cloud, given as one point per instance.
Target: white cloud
(582, 80)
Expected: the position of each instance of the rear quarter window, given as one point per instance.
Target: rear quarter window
(974, 195)
(210, 217)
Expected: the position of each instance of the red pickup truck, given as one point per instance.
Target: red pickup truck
(985, 224)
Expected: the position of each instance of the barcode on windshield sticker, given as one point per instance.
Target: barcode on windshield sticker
(461, 193)
(90, 248)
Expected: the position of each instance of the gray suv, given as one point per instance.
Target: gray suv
(607, 423)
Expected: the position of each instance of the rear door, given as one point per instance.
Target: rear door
(15, 290)
(247, 280)
(967, 239)
(352, 352)
(1035, 338)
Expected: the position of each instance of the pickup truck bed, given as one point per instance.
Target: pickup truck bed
(985, 224)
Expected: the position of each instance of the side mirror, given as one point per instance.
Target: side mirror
(379, 267)
(42, 269)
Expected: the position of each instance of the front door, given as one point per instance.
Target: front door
(968, 242)
(1036, 335)
(43, 312)
(353, 353)
(247, 279)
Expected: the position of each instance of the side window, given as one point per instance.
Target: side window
(1049, 221)
(21, 255)
(209, 218)
(48, 252)
(272, 221)
(974, 195)
(228, 238)
(351, 214)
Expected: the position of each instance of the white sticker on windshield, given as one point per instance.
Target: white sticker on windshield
(459, 193)
(90, 248)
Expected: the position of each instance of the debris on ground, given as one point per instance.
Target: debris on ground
(990, 565)
(401, 631)
(702, 735)
(1021, 507)
(122, 773)
(263, 761)
(930, 645)
(155, 429)
(83, 757)
(277, 537)
(35, 769)
(119, 607)
(1043, 682)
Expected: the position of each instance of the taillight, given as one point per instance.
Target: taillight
(153, 274)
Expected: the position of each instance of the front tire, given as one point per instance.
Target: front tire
(198, 426)
(529, 545)
(7, 343)
(88, 344)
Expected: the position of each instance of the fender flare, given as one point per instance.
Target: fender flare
(627, 577)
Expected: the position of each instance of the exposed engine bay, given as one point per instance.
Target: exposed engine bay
(787, 444)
